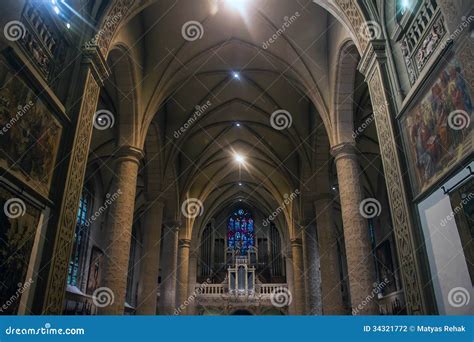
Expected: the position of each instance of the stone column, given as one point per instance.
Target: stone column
(360, 264)
(183, 275)
(191, 310)
(331, 294)
(120, 220)
(150, 261)
(169, 263)
(298, 273)
(290, 281)
(312, 270)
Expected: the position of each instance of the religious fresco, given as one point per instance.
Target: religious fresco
(436, 131)
(18, 223)
(29, 133)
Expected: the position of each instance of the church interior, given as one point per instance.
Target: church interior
(236, 157)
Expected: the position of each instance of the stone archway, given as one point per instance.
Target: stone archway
(372, 65)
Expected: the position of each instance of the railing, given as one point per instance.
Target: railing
(422, 36)
(220, 289)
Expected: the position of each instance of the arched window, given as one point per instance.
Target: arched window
(240, 231)
(81, 235)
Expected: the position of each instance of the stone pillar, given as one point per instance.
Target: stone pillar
(290, 281)
(119, 229)
(169, 263)
(312, 270)
(183, 275)
(298, 274)
(191, 310)
(150, 261)
(360, 264)
(331, 294)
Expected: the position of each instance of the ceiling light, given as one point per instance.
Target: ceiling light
(236, 75)
(237, 124)
(240, 184)
(236, 4)
(68, 26)
(56, 9)
(239, 158)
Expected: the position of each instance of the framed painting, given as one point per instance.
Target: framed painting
(29, 133)
(436, 131)
(18, 222)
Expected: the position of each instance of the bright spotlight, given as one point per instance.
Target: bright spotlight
(240, 184)
(236, 4)
(236, 75)
(239, 158)
(237, 124)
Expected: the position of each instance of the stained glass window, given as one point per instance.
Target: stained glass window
(241, 231)
(80, 236)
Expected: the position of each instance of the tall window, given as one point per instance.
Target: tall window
(241, 231)
(80, 239)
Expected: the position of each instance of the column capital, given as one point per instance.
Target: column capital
(184, 243)
(375, 50)
(97, 63)
(344, 150)
(129, 153)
